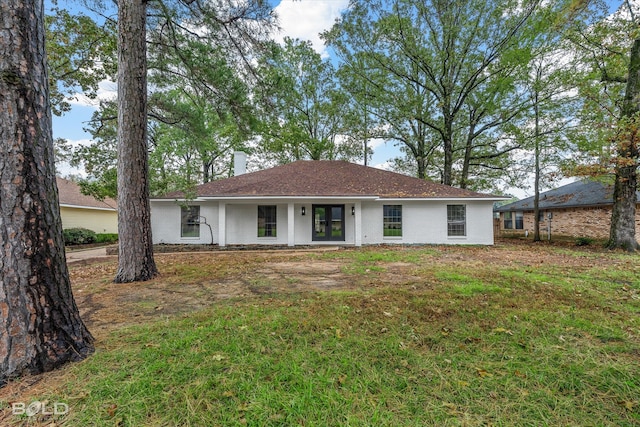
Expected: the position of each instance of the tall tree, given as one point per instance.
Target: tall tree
(135, 244)
(611, 92)
(543, 131)
(623, 216)
(40, 325)
(303, 107)
(444, 66)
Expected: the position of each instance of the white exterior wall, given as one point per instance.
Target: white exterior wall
(165, 223)
(242, 225)
(423, 222)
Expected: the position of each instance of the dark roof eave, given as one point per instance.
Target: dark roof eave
(528, 209)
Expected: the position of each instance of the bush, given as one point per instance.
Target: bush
(583, 241)
(106, 237)
(78, 236)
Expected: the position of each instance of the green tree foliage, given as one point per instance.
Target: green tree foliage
(80, 54)
(610, 88)
(200, 109)
(440, 77)
(303, 106)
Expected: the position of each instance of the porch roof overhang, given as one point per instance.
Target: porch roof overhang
(311, 199)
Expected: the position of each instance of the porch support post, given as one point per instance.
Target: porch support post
(291, 224)
(222, 224)
(358, 224)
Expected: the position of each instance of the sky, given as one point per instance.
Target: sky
(303, 19)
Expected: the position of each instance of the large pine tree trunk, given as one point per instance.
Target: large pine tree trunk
(135, 262)
(40, 327)
(623, 217)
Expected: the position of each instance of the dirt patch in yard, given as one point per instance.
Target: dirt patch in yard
(191, 281)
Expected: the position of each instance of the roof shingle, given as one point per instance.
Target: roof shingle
(69, 194)
(584, 193)
(324, 178)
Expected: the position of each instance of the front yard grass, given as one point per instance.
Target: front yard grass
(462, 342)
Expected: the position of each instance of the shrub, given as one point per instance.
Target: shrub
(583, 241)
(106, 237)
(78, 236)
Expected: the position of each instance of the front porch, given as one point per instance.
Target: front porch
(326, 222)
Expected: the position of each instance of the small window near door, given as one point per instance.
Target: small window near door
(456, 220)
(392, 220)
(267, 221)
(190, 221)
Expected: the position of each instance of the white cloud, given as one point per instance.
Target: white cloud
(384, 165)
(107, 91)
(375, 143)
(305, 20)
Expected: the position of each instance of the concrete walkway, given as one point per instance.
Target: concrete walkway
(79, 255)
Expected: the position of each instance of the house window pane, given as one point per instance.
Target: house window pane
(508, 220)
(519, 220)
(392, 220)
(190, 221)
(267, 221)
(456, 220)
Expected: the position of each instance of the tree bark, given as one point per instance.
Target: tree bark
(135, 252)
(40, 326)
(536, 182)
(623, 217)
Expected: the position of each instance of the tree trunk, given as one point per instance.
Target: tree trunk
(466, 164)
(623, 217)
(135, 252)
(447, 145)
(536, 182)
(40, 326)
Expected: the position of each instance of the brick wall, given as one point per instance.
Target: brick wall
(578, 222)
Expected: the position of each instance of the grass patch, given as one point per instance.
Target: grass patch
(366, 261)
(470, 343)
(348, 359)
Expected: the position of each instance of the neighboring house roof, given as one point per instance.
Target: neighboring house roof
(324, 178)
(70, 196)
(584, 193)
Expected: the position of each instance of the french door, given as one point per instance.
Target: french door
(328, 222)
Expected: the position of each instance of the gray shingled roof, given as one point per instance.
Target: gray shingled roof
(327, 179)
(584, 193)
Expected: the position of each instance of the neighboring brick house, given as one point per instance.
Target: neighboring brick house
(580, 209)
(79, 210)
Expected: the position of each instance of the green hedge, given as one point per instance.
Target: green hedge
(106, 237)
(78, 236)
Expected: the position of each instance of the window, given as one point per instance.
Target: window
(456, 220)
(267, 221)
(392, 220)
(519, 220)
(190, 221)
(508, 220)
(513, 220)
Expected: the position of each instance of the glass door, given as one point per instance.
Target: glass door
(328, 222)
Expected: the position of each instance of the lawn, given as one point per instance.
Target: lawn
(391, 336)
